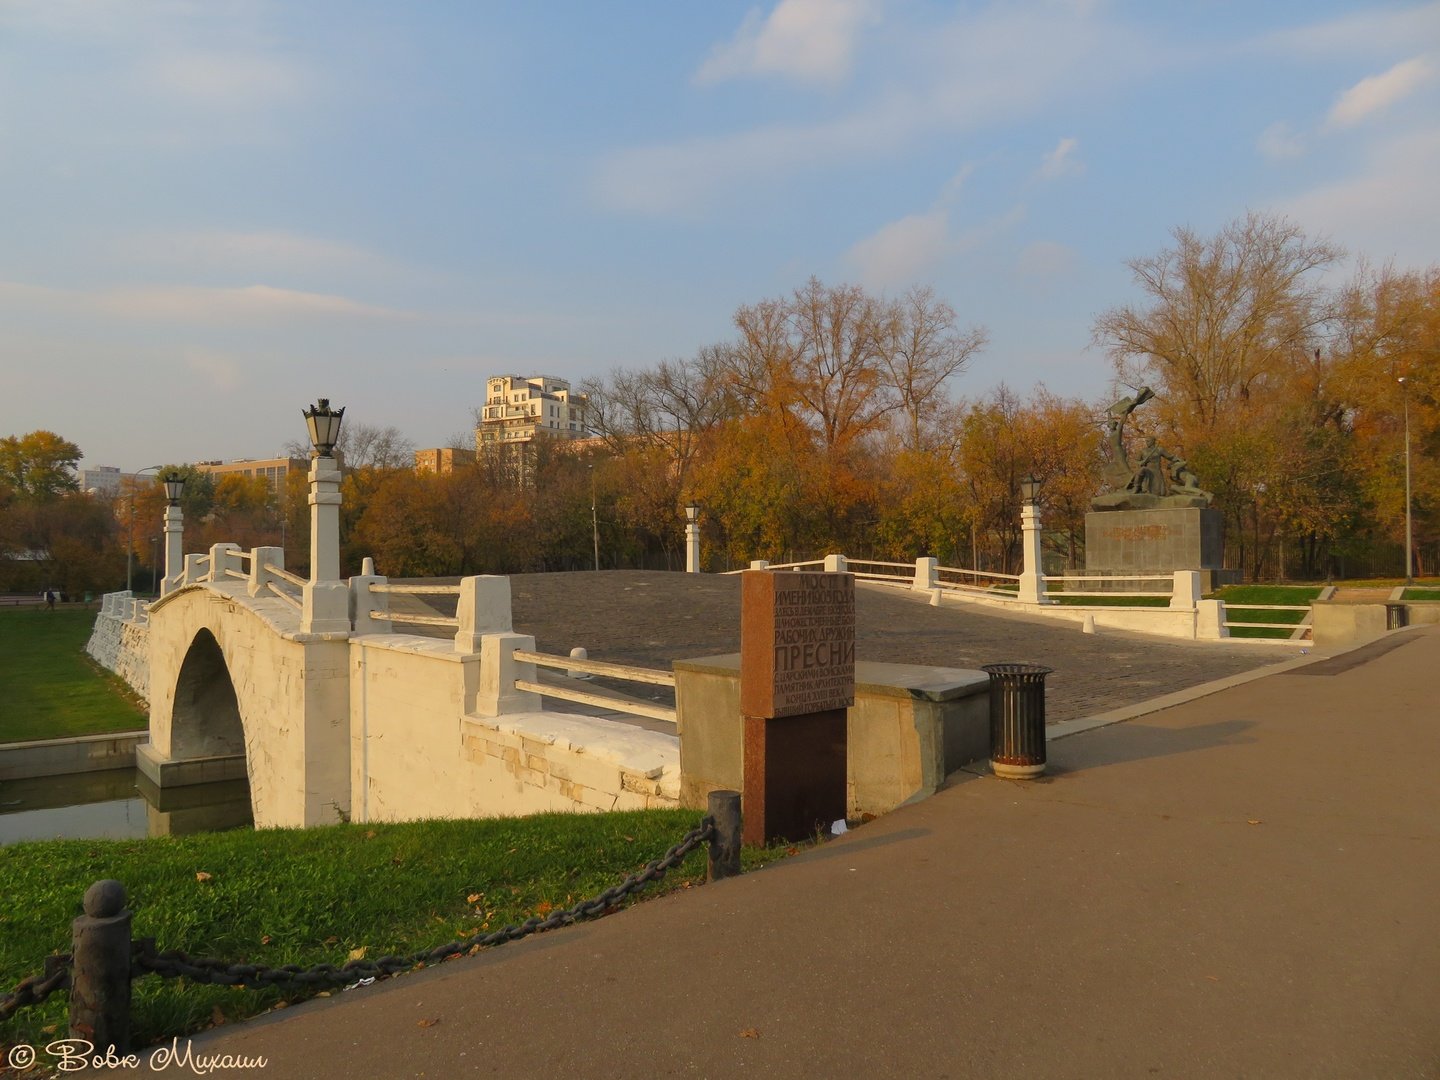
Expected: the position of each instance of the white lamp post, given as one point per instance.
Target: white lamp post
(692, 538)
(1409, 534)
(174, 532)
(326, 599)
(1032, 579)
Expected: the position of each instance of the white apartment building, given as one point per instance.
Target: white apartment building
(520, 409)
(101, 480)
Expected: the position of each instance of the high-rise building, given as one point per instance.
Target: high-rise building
(520, 409)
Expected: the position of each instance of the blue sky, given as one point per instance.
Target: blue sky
(221, 209)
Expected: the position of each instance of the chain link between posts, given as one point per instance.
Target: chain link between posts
(176, 964)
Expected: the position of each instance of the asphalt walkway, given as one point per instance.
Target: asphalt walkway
(1243, 885)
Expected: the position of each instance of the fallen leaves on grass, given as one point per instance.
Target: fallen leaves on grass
(201, 875)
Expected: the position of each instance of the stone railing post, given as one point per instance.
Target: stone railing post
(260, 578)
(484, 608)
(325, 600)
(1032, 577)
(1210, 620)
(759, 564)
(499, 669)
(927, 574)
(174, 548)
(100, 970)
(196, 567)
(368, 609)
(835, 564)
(222, 560)
(1186, 592)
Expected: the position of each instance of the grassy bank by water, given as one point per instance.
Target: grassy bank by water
(49, 687)
(307, 896)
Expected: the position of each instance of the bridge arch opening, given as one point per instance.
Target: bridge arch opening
(205, 721)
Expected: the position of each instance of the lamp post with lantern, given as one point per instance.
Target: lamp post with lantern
(692, 538)
(174, 531)
(326, 599)
(1032, 577)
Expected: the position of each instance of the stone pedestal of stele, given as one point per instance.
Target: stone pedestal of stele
(1158, 541)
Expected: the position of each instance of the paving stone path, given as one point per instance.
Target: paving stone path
(652, 618)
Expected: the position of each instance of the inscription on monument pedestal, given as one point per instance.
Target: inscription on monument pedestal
(797, 679)
(797, 643)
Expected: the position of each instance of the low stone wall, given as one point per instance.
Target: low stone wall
(421, 748)
(76, 754)
(527, 763)
(910, 727)
(1339, 624)
(124, 648)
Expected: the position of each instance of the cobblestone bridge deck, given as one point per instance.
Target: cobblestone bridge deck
(652, 618)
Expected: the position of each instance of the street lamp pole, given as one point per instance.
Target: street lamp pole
(130, 540)
(594, 521)
(1409, 534)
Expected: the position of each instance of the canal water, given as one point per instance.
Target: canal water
(117, 804)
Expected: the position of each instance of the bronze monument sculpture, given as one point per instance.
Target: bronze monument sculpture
(1146, 485)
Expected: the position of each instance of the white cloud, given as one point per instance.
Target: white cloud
(222, 372)
(909, 250)
(247, 305)
(1046, 258)
(1279, 142)
(1379, 92)
(1375, 30)
(1376, 211)
(806, 40)
(272, 248)
(1062, 161)
(222, 77)
(979, 71)
(904, 250)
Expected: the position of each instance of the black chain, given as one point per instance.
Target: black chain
(175, 964)
(37, 988)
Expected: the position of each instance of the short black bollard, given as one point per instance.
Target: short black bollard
(725, 843)
(1017, 719)
(100, 969)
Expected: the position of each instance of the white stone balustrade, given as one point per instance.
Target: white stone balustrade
(197, 569)
(927, 574)
(484, 609)
(262, 560)
(1186, 593)
(835, 564)
(223, 559)
(369, 609)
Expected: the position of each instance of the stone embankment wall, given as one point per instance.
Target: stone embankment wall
(421, 747)
(124, 648)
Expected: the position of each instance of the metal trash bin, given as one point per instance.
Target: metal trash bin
(1396, 616)
(1017, 719)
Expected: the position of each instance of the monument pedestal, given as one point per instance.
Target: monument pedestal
(794, 775)
(797, 681)
(1119, 542)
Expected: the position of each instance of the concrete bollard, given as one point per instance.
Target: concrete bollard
(724, 860)
(100, 969)
(577, 653)
(1088, 626)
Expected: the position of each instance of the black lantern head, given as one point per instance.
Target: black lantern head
(174, 487)
(324, 425)
(1030, 489)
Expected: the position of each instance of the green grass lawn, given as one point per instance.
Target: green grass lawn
(1265, 594)
(307, 896)
(49, 687)
(1422, 594)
